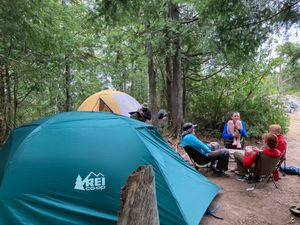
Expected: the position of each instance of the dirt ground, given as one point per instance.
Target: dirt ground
(264, 205)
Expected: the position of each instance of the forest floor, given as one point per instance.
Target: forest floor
(265, 205)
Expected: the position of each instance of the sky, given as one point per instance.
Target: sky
(283, 36)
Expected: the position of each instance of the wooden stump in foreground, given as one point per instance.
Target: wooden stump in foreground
(138, 199)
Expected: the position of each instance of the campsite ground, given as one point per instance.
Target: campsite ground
(265, 204)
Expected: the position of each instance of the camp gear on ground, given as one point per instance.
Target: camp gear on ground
(70, 168)
(290, 170)
(110, 101)
(295, 210)
(211, 212)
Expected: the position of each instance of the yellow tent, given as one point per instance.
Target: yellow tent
(110, 101)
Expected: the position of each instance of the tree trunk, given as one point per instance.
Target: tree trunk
(176, 91)
(15, 106)
(169, 76)
(152, 79)
(9, 106)
(183, 91)
(67, 85)
(138, 199)
(2, 104)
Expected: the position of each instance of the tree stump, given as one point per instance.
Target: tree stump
(138, 199)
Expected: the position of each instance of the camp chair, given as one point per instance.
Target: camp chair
(264, 166)
(228, 143)
(282, 160)
(197, 157)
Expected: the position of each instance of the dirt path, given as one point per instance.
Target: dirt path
(265, 205)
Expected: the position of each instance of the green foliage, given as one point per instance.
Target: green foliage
(103, 44)
(289, 74)
(246, 90)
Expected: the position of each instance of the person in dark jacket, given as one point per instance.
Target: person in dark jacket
(143, 114)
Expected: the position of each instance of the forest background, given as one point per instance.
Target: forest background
(197, 59)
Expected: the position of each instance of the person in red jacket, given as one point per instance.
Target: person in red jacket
(245, 161)
(276, 129)
(281, 146)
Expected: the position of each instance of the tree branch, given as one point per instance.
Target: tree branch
(25, 96)
(196, 54)
(190, 21)
(266, 19)
(208, 76)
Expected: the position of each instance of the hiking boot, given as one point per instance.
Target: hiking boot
(212, 168)
(242, 178)
(220, 173)
(196, 167)
(252, 179)
(257, 179)
(239, 174)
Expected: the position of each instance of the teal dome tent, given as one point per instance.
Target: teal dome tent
(69, 169)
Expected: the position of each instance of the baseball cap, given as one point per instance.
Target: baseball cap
(188, 126)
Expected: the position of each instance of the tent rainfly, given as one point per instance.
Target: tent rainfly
(70, 168)
(110, 101)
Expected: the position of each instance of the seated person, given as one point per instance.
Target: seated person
(143, 114)
(281, 146)
(276, 129)
(221, 156)
(162, 114)
(234, 130)
(244, 161)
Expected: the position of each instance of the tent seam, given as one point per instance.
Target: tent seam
(165, 178)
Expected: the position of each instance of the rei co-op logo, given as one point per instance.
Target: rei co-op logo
(92, 182)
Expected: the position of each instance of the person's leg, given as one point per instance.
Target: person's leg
(239, 157)
(238, 142)
(222, 156)
(230, 130)
(238, 126)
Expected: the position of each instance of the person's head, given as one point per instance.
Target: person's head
(275, 129)
(270, 140)
(189, 128)
(144, 106)
(235, 116)
(162, 114)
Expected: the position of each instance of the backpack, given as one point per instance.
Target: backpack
(290, 170)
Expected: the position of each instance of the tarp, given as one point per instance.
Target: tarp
(70, 168)
(110, 101)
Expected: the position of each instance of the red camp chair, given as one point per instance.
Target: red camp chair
(264, 166)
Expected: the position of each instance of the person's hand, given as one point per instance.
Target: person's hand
(256, 149)
(236, 134)
(141, 112)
